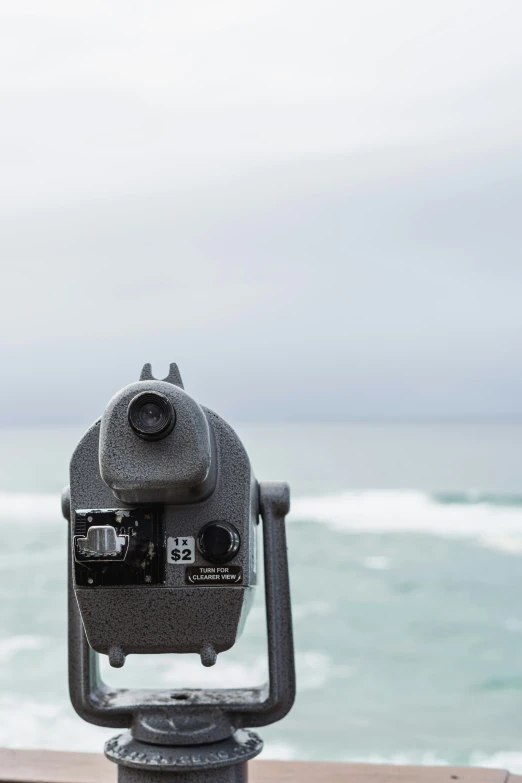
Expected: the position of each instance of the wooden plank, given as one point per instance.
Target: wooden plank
(44, 766)
(328, 772)
(47, 766)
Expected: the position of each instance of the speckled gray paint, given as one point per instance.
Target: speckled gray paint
(176, 469)
(173, 617)
(225, 756)
(155, 619)
(234, 774)
(178, 620)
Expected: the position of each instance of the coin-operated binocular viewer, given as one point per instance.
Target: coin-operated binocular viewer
(164, 510)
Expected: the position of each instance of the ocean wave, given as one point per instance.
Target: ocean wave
(410, 511)
(279, 751)
(10, 646)
(314, 669)
(474, 496)
(502, 759)
(30, 723)
(30, 507)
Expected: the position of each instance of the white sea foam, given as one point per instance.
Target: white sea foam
(29, 723)
(410, 511)
(503, 759)
(12, 645)
(513, 624)
(227, 673)
(279, 751)
(314, 669)
(311, 609)
(29, 507)
(376, 563)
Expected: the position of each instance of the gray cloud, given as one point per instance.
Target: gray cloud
(307, 242)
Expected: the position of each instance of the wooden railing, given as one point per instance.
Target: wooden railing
(43, 766)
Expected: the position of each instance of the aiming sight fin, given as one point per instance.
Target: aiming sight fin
(173, 377)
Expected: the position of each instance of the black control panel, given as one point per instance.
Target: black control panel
(118, 547)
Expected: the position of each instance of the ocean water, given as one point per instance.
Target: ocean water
(405, 545)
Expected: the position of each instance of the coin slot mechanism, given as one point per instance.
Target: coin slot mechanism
(115, 547)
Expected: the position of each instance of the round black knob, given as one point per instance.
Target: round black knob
(218, 542)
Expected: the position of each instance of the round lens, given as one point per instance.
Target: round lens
(151, 415)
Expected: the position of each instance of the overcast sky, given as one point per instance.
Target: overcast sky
(313, 207)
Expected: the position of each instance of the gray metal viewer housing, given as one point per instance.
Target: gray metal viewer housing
(164, 508)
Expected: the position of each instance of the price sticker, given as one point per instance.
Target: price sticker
(181, 550)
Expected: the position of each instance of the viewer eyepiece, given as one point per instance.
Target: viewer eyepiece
(151, 415)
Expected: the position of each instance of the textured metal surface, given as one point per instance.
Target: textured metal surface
(177, 469)
(189, 621)
(168, 621)
(129, 752)
(236, 774)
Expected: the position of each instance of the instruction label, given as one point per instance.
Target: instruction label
(214, 575)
